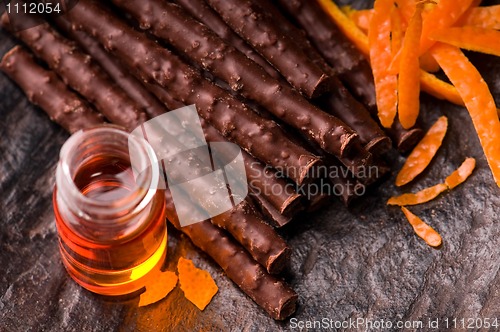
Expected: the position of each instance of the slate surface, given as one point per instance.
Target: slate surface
(364, 262)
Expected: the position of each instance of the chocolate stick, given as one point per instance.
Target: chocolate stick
(276, 197)
(230, 117)
(352, 68)
(272, 294)
(243, 222)
(339, 102)
(171, 23)
(277, 191)
(264, 180)
(342, 104)
(340, 53)
(132, 87)
(203, 13)
(266, 38)
(247, 227)
(77, 71)
(45, 89)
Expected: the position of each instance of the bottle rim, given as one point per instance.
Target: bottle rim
(106, 213)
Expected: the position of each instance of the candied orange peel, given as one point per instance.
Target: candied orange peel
(424, 231)
(409, 72)
(425, 195)
(461, 174)
(159, 287)
(198, 286)
(386, 83)
(471, 38)
(423, 153)
(477, 98)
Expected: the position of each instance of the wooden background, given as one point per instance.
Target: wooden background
(362, 262)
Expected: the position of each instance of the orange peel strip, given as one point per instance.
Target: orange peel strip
(346, 25)
(409, 75)
(484, 17)
(428, 82)
(439, 88)
(478, 100)
(461, 174)
(198, 286)
(423, 196)
(423, 153)
(470, 38)
(424, 231)
(361, 18)
(379, 37)
(159, 288)
(444, 15)
(454, 179)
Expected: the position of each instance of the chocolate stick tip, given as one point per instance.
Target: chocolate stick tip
(287, 308)
(307, 171)
(323, 86)
(292, 205)
(379, 145)
(278, 262)
(348, 142)
(409, 139)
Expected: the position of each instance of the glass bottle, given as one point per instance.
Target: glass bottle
(110, 218)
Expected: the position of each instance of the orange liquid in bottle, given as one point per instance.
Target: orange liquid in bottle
(112, 258)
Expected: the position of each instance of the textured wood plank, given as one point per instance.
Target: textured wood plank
(363, 262)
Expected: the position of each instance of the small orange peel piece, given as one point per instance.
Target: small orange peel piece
(158, 288)
(470, 38)
(424, 231)
(423, 196)
(477, 98)
(198, 286)
(461, 174)
(423, 153)
(409, 72)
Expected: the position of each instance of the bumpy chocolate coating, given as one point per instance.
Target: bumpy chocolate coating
(78, 71)
(203, 13)
(132, 87)
(339, 101)
(264, 35)
(45, 89)
(340, 53)
(202, 46)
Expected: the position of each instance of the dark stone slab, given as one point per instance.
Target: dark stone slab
(362, 262)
